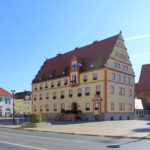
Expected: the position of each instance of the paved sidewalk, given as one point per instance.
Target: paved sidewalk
(124, 128)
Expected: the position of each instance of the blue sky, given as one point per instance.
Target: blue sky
(33, 30)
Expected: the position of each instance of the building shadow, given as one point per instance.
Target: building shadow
(126, 143)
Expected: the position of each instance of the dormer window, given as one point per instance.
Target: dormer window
(74, 66)
(65, 82)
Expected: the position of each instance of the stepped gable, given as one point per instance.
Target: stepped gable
(95, 54)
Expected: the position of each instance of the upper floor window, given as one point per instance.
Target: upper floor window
(115, 65)
(79, 92)
(63, 106)
(112, 89)
(55, 107)
(120, 91)
(62, 94)
(41, 86)
(52, 84)
(40, 96)
(47, 107)
(123, 67)
(121, 106)
(74, 66)
(35, 97)
(85, 78)
(113, 76)
(118, 65)
(119, 77)
(35, 87)
(126, 68)
(94, 76)
(70, 93)
(47, 95)
(112, 106)
(65, 82)
(58, 83)
(129, 80)
(6, 102)
(0, 99)
(130, 107)
(98, 89)
(41, 108)
(54, 95)
(46, 85)
(87, 91)
(124, 79)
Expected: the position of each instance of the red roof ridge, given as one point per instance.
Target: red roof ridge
(4, 92)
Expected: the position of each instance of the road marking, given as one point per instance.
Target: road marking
(48, 138)
(26, 146)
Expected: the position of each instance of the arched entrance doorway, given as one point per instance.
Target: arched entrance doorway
(74, 106)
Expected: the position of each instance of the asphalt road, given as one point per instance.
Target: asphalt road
(12, 139)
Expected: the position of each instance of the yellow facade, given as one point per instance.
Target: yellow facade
(19, 106)
(116, 94)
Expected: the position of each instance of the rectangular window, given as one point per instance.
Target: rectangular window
(74, 77)
(34, 98)
(46, 85)
(79, 92)
(70, 93)
(113, 76)
(65, 82)
(54, 95)
(47, 95)
(0, 99)
(130, 107)
(62, 94)
(41, 86)
(121, 106)
(126, 68)
(55, 107)
(58, 83)
(40, 96)
(123, 91)
(94, 76)
(124, 79)
(6, 101)
(120, 91)
(123, 67)
(35, 87)
(47, 107)
(85, 78)
(98, 89)
(112, 106)
(87, 91)
(112, 89)
(52, 84)
(87, 106)
(62, 106)
(129, 80)
(118, 66)
(119, 77)
(115, 65)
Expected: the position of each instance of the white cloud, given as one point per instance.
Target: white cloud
(138, 37)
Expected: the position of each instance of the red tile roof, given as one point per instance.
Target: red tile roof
(95, 54)
(144, 81)
(4, 92)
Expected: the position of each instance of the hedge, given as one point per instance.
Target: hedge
(35, 118)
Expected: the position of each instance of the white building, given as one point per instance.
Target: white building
(6, 103)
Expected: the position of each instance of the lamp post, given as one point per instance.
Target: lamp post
(13, 93)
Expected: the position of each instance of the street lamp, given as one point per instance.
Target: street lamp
(13, 93)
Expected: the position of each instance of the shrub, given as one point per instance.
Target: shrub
(35, 118)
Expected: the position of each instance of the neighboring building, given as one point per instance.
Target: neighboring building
(6, 103)
(94, 82)
(142, 88)
(22, 103)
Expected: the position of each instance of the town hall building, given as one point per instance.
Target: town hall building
(94, 82)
